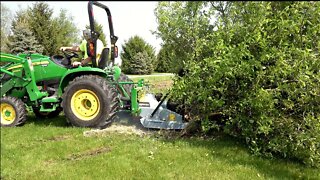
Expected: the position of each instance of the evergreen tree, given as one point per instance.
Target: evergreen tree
(41, 25)
(132, 47)
(22, 40)
(66, 32)
(152, 62)
(51, 32)
(5, 27)
(139, 63)
(164, 59)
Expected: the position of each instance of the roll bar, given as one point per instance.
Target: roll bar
(95, 35)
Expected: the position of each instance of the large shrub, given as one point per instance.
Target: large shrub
(262, 75)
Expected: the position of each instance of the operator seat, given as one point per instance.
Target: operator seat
(62, 61)
(103, 58)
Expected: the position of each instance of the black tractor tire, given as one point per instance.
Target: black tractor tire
(90, 101)
(13, 112)
(52, 114)
(127, 87)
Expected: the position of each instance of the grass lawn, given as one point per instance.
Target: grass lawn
(50, 149)
(153, 74)
(156, 84)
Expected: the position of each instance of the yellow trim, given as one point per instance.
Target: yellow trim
(85, 104)
(34, 64)
(172, 117)
(40, 63)
(15, 67)
(10, 57)
(8, 113)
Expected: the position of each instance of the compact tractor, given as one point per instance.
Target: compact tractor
(89, 96)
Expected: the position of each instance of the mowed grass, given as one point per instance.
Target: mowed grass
(51, 149)
(157, 84)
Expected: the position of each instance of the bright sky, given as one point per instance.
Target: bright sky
(129, 18)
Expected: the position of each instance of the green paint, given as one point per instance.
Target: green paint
(117, 73)
(7, 113)
(26, 71)
(134, 101)
(48, 108)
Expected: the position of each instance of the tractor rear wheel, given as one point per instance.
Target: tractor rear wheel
(13, 112)
(90, 101)
(52, 114)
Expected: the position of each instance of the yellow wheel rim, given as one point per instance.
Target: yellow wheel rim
(85, 104)
(8, 113)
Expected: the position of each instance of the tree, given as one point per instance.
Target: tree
(99, 28)
(65, 31)
(21, 16)
(164, 59)
(258, 68)
(180, 26)
(5, 27)
(132, 47)
(51, 32)
(41, 25)
(22, 40)
(139, 63)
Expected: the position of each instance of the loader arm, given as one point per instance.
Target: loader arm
(19, 79)
(10, 58)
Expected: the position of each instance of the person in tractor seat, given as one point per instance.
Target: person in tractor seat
(85, 49)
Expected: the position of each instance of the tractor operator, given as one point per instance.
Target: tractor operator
(84, 48)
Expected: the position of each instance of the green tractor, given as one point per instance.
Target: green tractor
(89, 96)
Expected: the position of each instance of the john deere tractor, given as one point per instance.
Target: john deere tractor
(89, 96)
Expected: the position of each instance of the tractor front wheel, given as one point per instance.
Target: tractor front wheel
(90, 101)
(13, 112)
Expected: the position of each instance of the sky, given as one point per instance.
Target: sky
(129, 17)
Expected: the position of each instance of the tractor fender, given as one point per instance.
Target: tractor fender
(76, 72)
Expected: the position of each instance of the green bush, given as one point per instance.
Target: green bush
(262, 76)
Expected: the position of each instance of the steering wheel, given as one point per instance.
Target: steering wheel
(70, 54)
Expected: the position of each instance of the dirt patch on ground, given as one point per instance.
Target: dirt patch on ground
(90, 153)
(57, 138)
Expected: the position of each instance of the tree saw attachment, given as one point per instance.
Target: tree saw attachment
(156, 114)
